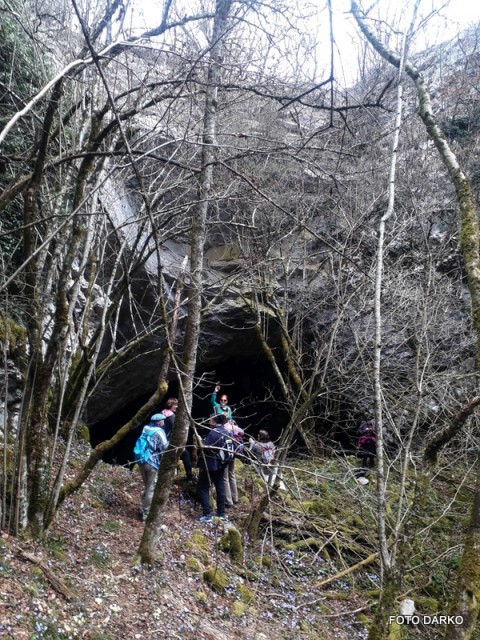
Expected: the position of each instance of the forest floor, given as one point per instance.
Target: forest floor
(84, 580)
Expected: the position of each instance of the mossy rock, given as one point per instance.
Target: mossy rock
(16, 335)
(37, 572)
(195, 565)
(231, 543)
(355, 521)
(59, 555)
(335, 595)
(200, 540)
(248, 574)
(246, 594)
(199, 546)
(304, 545)
(426, 604)
(200, 553)
(265, 561)
(201, 596)
(216, 578)
(275, 582)
(239, 608)
(83, 433)
(318, 507)
(305, 627)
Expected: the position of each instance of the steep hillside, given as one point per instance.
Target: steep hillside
(84, 582)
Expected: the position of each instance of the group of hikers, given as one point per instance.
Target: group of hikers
(216, 460)
(217, 452)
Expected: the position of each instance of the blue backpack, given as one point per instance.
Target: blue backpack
(143, 449)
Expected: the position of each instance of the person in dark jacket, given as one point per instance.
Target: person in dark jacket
(212, 469)
(169, 412)
(367, 443)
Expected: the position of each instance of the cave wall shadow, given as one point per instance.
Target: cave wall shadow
(255, 398)
(253, 392)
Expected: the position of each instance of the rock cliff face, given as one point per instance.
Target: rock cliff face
(227, 333)
(294, 228)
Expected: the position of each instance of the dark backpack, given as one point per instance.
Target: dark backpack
(225, 449)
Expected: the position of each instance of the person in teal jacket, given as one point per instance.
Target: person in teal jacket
(148, 451)
(222, 406)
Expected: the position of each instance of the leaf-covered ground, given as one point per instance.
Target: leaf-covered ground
(84, 580)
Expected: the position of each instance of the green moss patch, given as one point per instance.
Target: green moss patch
(216, 578)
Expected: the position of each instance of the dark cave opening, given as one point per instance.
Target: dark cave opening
(253, 393)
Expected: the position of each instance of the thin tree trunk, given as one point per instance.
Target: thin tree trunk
(466, 596)
(151, 535)
(391, 582)
(381, 482)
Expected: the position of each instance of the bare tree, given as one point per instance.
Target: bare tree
(465, 602)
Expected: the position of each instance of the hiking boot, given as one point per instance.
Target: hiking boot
(205, 518)
(221, 518)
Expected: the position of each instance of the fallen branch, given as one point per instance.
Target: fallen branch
(56, 583)
(345, 613)
(346, 572)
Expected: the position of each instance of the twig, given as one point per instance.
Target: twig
(343, 613)
(323, 547)
(346, 572)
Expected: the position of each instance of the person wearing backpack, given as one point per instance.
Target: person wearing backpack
(231, 490)
(263, 451)
(213, 455)
(222, 406)
(148, 452)
(367, 443)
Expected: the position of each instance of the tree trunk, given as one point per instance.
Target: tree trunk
(467, 596)
(186, 369)
(390, 589)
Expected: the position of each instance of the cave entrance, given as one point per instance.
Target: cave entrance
(253, 393)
